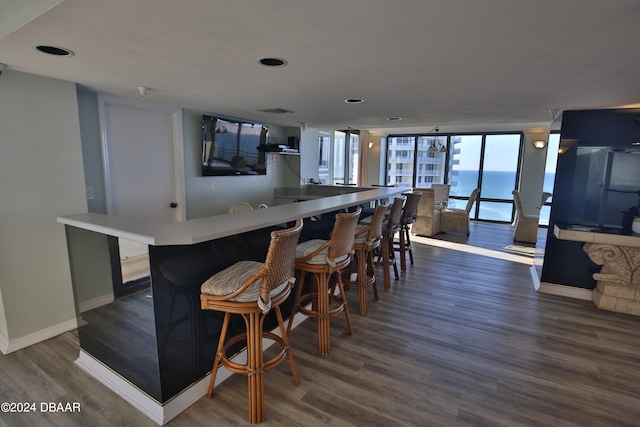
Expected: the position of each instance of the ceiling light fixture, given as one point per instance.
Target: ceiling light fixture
(436, 146)
(272, 62)
(394, 119)
(354, 101)
(54, 50)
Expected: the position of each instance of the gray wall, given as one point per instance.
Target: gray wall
(41, 177)
(92, 151)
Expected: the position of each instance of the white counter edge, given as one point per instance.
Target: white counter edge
(595, 237)
(204, 229)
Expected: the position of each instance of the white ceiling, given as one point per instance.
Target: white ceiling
(441, 62)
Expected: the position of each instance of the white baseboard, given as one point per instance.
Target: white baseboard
(565, 291)
(95, 302)
(9, 346)
(123, 388)
(4, 344)
(535, 278)
(159, 413)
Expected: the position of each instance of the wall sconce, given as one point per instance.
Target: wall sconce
(370, 145)
(539, 143)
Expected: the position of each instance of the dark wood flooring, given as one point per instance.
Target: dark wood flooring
(462, 339)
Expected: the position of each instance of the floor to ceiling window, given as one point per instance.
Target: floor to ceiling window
(499, 175)
(416, 160)
(549, 175)
(324, 150)
(339, 159)
(346, 149)
(465, 164)
(486, 161)
(353, 158)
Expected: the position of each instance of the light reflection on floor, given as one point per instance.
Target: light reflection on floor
(506, 255)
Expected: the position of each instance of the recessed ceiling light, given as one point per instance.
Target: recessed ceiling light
(54, 50)
(272, 62)
(353, 100)
(394, 119)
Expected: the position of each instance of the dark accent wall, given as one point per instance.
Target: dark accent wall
(588, 136)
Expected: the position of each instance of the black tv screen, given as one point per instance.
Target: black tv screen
(230, 147)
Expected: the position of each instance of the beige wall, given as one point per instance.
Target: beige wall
(41, 177)
(206, 199)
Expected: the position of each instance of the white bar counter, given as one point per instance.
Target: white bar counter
(204, 229)
(151, 343)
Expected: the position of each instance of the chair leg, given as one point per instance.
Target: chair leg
(370, 268)
(255, 367)
(392, 259)
(296, 301)
(324, 331)
(362, 282)
(344, 302)
(387, 259)
(285, 341)
(219, 353)
(402, 247)
(384, 256)
(407, 246)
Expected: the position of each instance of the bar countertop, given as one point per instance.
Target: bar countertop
(204, 229)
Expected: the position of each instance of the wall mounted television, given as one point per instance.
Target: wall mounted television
(231, 147)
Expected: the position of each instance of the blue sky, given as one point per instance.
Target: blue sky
(501, 152)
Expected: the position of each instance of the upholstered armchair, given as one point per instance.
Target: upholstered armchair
(441, 192)
(457, 220)
(525, 226)
(427, 222)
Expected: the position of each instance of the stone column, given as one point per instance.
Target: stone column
(618, 287)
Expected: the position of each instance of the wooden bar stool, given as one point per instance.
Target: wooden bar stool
(386, 255)
(251, 289)
(367, 239)
(409, 213)
(325, 259)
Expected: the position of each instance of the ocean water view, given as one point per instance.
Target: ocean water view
(495, 185)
